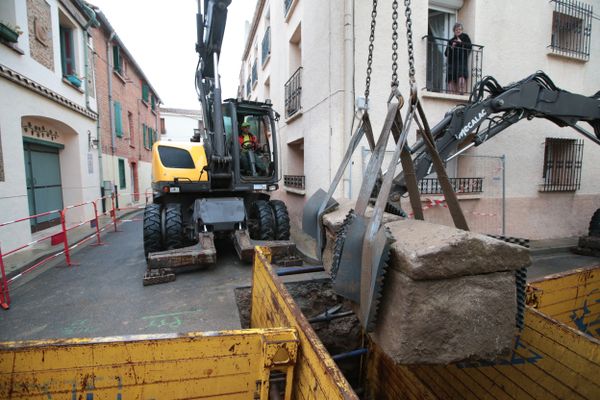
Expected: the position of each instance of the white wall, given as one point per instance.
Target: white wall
(179, 127)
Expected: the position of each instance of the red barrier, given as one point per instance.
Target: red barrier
(62, 237)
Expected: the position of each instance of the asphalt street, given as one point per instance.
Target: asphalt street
(104, 295)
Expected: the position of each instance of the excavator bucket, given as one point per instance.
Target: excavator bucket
(375, 270)
(311, 216)
(347, 257)
(321, 202)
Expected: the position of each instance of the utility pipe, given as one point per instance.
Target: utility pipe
(110, 98)
(348, 85)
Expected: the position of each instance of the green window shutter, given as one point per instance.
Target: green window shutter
(145, 91)
(118, 121)
(116, 58)
(122, 182)
(144, 130)
(153, 101)
(150, 136)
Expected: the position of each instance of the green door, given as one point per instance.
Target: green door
(44, 190)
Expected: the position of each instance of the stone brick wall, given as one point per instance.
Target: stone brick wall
(40, 32)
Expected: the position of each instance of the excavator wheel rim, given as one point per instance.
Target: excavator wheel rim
(281, 219)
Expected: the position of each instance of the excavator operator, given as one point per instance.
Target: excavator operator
(250, 163)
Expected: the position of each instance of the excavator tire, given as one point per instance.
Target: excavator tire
(595, 224)
(262, 226)
(174, 237)
(282, 220)
(152, 230)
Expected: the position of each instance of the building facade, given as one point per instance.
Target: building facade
(310, 59)
(48, 114)
(177, 124)
(129, 119)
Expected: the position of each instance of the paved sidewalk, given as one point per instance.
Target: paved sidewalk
(19, 262)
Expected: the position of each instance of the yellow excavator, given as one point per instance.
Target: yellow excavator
(219, 183)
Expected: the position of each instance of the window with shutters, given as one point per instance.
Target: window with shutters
(67, 51)
(117, 60)
(122, 181)
(118, 120)
(144, 131)
(145, 92)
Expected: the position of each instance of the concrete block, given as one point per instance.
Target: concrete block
(443, 321)
(428, 251)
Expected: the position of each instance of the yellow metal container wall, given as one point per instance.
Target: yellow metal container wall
(549, 359)
(316, 375)
(223, 365)
(572, 298)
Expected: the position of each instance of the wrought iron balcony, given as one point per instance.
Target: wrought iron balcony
(266, 45)
(293, 93)
(446, 65)
(294, 181)
(460, 185)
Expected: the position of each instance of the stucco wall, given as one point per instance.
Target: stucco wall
(516, 38)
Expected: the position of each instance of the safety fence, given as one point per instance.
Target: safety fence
(99, 222)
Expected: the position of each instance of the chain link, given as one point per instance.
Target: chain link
(395, 43)
(371, 46)
(410, 47)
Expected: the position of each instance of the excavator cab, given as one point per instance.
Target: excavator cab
(250, 137)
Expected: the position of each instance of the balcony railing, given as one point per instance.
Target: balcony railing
(446, 65)
(266, 45)
(293, 93)
(460, 185)
(294, 181)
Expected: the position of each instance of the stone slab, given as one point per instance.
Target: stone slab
(429, 251)
(444, 321)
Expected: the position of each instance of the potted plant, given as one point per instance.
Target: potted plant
(9, 32)
(74, 80)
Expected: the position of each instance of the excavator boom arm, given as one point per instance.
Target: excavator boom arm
(480, 120)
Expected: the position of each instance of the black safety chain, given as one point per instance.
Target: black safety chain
(409, 38)
(395, 43)
(371, 46)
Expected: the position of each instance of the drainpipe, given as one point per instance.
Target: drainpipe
(110, 98)
(348, 84)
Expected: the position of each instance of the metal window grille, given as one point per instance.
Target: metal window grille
(294, 181)
(460, 185)
(266, 45)
(563, 159)
(286, 6)
(571, 28)
(254, 73)
(293, 93)
(439, 73)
